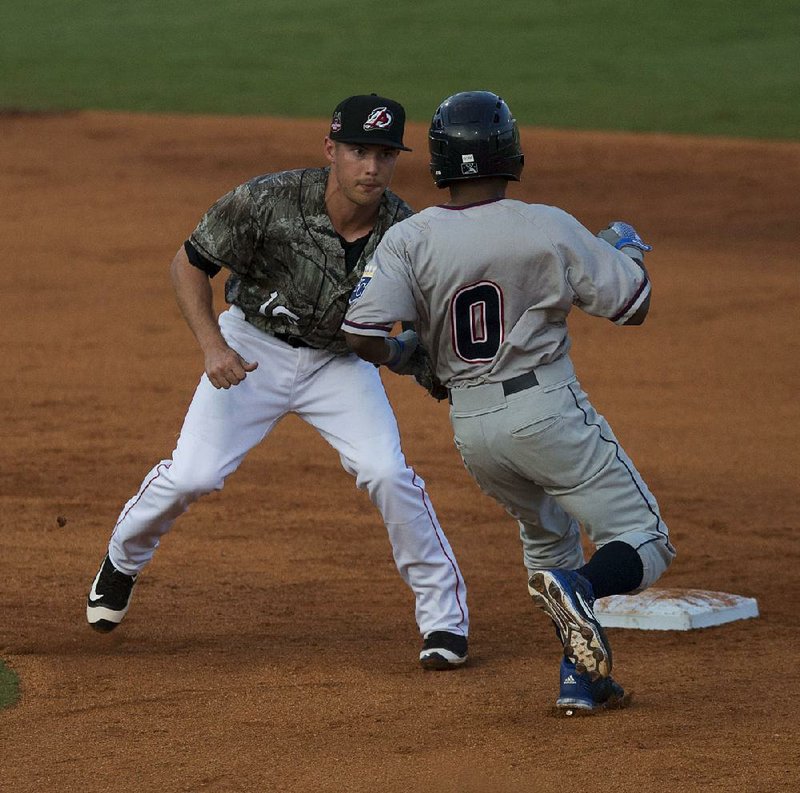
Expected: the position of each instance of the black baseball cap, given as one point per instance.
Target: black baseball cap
(370, 119)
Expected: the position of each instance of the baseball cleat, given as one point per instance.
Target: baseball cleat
(442, 650)
(109, 597)
(579, 695)
(567, 598)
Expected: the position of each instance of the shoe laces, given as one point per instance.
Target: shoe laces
(117, 584)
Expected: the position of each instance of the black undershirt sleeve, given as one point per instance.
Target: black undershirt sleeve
(199, 261)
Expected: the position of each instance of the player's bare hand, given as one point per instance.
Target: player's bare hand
(225, 367)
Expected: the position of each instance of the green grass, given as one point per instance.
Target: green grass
(705, 66)
(9, 687)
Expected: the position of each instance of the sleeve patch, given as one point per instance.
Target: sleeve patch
(369, 271)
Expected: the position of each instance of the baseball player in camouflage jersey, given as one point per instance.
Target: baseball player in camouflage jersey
(295, 244)
(488, 283)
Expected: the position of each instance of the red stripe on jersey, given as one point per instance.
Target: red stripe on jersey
(628, 305)
(368, 326)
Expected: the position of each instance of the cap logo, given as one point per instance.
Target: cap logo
(336, 121)
(379, 118)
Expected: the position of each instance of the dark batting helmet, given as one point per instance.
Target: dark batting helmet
(473, 135)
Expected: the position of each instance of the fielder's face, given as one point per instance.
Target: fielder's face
(362, 172)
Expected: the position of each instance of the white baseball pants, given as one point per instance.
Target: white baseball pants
(343, 398)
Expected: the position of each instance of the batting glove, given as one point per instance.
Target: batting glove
(402, 347)
(622, 235)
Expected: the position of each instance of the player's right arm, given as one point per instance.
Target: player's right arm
(223, 365)
(382, 297)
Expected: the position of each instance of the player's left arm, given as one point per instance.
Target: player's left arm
(606, 272)
(626, 239)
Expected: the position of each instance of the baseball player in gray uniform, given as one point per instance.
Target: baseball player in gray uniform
(295, 244)
(488, 283)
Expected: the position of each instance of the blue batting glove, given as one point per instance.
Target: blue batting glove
(622, 235)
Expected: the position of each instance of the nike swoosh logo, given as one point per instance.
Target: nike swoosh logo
(262, 309)
(283, 310)
(278, 310)
(93, 596)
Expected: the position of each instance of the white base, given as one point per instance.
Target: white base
(673, 609)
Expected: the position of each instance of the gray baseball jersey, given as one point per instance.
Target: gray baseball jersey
(489, 286)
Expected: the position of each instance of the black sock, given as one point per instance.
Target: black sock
(614, 569)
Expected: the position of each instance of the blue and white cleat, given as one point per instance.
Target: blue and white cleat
(578, 695)
(567, 598)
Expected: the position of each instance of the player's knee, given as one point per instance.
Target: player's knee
(656, 557)
(195, 480)
(378, 472)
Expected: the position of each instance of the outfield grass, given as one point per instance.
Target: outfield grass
(9, 687)
(713, 66)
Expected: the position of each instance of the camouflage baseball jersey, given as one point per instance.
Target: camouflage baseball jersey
(288, 272)
(489, 286)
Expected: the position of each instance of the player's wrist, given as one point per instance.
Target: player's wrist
(394, 351)
(214, 348)
(401, 348)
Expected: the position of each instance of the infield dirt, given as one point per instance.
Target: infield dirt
(271, 645)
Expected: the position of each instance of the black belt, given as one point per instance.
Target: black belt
(516, 384)
(519, 383)
(292, 341)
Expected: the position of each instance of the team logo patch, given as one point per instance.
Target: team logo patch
(369, 271)
(359, 290)
(379, 118)
(336, 122)
(468, 165)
